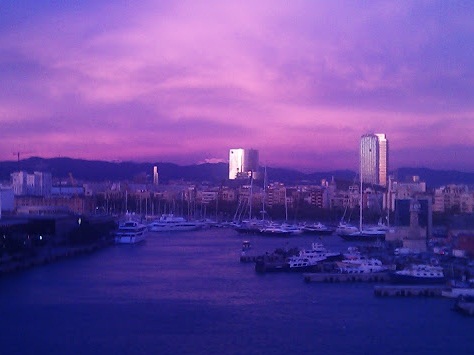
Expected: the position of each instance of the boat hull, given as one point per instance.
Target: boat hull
(465, 305)
(134, 239)
(318, 231)
(276, 233)
(361, 237)
(174, 228)
(415, 280)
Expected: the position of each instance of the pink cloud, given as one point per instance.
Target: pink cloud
(189, 80)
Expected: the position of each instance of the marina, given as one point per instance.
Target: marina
(171, 223)
(208, 300)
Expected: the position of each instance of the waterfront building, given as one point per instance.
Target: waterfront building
(316, 196)
(41, 205)
(36, 184)
(415, 234)
(208, 196)
(67, 190)
(19, 184)
(243, 163)
(228, 194)
(155, 175)
(276, 194)
(453, 198)
(344, 199)
(374, 159)
(7, 201)
(397, 190)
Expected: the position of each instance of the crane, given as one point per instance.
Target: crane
(17, 154)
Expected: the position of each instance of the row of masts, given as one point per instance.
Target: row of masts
(263, 212)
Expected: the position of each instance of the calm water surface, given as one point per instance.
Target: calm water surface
(188, 293)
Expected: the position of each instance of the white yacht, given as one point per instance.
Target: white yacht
(361, 266)
(275, 229)
(317, 228)
(309, 258)
(346, 229)
(130, 232)
(170, 223)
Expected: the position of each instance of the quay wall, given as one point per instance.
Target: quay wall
(17, 263)
(346, 277)
(30, 241)
(409, 290)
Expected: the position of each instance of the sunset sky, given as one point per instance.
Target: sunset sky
(185, 81)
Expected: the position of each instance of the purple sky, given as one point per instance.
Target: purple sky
(185, 81)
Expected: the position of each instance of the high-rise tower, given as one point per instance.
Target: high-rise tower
(374, 158)
(242, 162)
(155, 175)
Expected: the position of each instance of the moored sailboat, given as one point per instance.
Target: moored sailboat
(364, 233)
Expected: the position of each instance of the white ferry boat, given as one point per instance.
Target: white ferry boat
(170, 223)
(130, 232)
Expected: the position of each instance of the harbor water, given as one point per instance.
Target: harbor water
(188, 293)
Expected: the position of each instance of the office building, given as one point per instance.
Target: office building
(155, 175)
(242, 163)
(374, 159)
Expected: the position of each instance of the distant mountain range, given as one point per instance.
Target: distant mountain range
(92, 170)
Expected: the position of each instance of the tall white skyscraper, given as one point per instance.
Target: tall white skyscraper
(383, 159)
(374, 158)
(155, 175)
(242, 162)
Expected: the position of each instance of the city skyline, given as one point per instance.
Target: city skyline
(300, 82)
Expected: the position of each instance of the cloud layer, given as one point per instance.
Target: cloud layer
(185, 81)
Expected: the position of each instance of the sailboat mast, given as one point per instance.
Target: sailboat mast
(264, 193)
(251, 195)
(360, 203)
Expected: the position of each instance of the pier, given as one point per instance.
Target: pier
(408, 290)
(346, 277)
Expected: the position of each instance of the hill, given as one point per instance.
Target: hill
(94, 170)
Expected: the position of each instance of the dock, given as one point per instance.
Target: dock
(409, 290)
(346, 277)
(244, 258)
